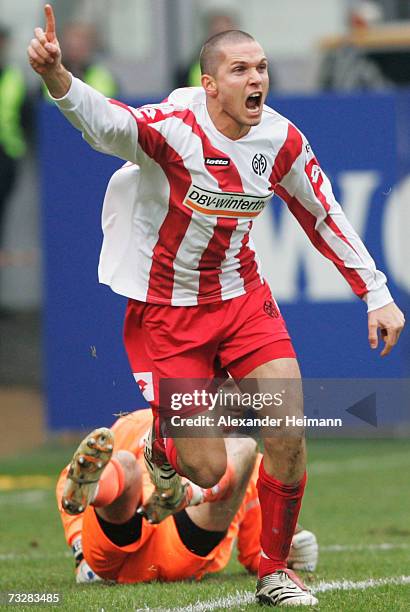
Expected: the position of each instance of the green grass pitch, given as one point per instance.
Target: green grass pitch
(358, 499)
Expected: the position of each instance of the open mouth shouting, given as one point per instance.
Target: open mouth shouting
(254, 103)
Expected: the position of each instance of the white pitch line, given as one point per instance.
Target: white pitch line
(247, 597)
(362, 585)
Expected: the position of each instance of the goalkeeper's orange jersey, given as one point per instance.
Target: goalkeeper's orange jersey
(245, 528)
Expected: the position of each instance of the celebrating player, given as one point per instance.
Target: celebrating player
(119, 546)
(177, 243)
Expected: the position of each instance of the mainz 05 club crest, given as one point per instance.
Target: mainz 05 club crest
(259, 164)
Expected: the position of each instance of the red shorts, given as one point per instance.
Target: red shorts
(237, 336)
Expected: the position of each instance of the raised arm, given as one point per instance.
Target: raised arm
(108, 127)
(44, 55)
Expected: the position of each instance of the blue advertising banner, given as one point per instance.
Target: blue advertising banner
(363, 144)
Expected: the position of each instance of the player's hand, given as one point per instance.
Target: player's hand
(44, 51)
(390, 320)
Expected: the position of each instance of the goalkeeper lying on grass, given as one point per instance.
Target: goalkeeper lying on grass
(99, 492)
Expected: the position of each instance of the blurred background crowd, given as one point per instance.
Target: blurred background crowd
(137, 49)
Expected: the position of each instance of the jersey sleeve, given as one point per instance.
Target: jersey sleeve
(307, 191)
(107, 125)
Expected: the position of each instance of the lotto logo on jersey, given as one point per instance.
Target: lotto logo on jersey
(225, 204)
(216, 161)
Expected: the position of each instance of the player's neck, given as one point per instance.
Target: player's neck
(224, 123)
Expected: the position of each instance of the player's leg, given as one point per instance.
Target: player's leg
(165, 468)
(282, 470)
(112, 530)
(285, 450)
(120, 491)
(260, 356)
(167, 343)
(203, 463)
(158, 506)
(218, 515)
(202, 528)
(113, 486)
(85, 470)
(281, 483)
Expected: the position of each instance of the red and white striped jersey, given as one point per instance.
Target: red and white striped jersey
(177, 220)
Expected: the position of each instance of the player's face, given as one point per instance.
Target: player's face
(242, 84)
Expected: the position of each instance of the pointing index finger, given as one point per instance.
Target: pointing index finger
(50, 23)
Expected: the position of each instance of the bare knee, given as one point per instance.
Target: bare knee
(205, 470)
(206, 475)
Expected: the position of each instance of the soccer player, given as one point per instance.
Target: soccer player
(197, 540)
(177, 243)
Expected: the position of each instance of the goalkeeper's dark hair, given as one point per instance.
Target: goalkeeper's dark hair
(209, 56)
